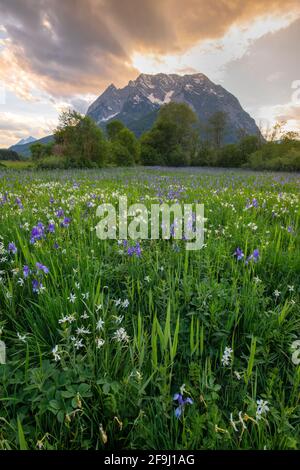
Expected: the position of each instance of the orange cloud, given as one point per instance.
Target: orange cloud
(79, 46)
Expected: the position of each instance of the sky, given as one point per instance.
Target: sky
(56, 54)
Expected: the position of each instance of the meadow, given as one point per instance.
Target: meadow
(113, 347)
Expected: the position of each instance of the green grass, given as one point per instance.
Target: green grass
(16, 165)
(179, 311)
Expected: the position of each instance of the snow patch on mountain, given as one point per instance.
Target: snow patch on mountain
(26, 140)
(168, 96)
(166, 99)
(108, 117)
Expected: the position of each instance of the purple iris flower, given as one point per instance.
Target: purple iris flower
(4, 199)
(36, 286)
(254, 202)
(130, 250)
(51, 228)
(239, 254)
(12, 248)
(65, 222)
(26, 271)
(138, 250)
(19, 203)
(181, 403)
(254, 256)
(43, 268)
(60, 213)
(134, 250)
(37, 233)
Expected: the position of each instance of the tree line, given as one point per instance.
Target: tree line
(7, 154)
(173, 140)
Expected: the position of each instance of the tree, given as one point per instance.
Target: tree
(80, 139)
(120, 136)
(247, 145)
(278, 155)
(272, 134)
(217, 127)
(149, 153)
(290, 136)
(229, 156)
(127, 138)
(205, 156)
(39, 151)
(174, 138)
(121, 156)
(113, 128)
(7, 154)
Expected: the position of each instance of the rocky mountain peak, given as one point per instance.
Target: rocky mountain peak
(137, 104)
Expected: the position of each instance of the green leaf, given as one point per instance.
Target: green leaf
(22, 440)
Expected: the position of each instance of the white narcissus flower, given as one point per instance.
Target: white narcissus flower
(22, 337)
(72, 298)
(121, 335)
(227, 356)
(99, 342)
(262, 408)
(56, 354)
(100, 324)
(21, 281)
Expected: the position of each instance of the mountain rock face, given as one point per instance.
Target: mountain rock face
(138, 103)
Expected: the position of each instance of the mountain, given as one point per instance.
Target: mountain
(138, 103)
(24, 149)
(27, 140)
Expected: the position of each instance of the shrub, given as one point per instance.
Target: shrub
(206, 156)
(229, 156)
(120, 155)
(150, 155)
(283, 156)
(52, 162)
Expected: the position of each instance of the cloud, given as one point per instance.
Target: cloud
(266, 73)
(212, 56)
(55, 54)
(16, 126)
(288, 112)
(79, 46)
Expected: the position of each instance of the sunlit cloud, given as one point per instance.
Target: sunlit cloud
(287, 114)
(210, 56)
(66, 53)
(16, 126)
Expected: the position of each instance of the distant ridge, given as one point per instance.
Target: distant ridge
(24, 149)
(27, 140)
